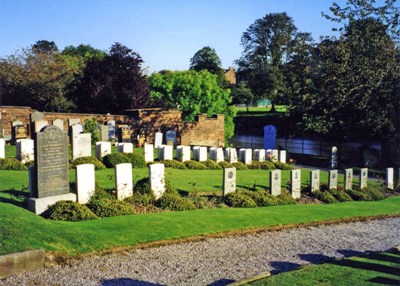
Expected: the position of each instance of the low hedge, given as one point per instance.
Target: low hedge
(173, 202)
(111, 160)
(239, 200)
(98, 165)
(263, 198)
(358, 195)
(12, 164)
(211, 165)
(324, 196)
(69, 211)
(194, 165)
(174, 164)
(110, 207)
(340, 196)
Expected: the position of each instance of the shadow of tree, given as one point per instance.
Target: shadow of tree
(15, 197)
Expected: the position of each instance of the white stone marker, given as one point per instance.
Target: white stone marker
(275, 182)
(81, 145)
(158, 138)
(363, 178)
(231, 155)
(219, 155)
(125, 147)
(39, 124)
(282, 156)
(348, 179)
(213, 153)
(2, 148)
(148, 150)
(274, 155)
(195, 151)
(200, 153)
(73, 121)
(167, 152)
(295, 183)
(59, 123)
(247, 156)
(157, 179)
(314, 179)
(102, 149)
(390, 178)
(259, 155)
(183, 153)
(334, 161)
(333, 179)
(25, 150)
(85, 182)
(241, 154)
(229, 184)
(123, 180)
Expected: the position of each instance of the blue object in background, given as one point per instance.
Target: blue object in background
(269, 137)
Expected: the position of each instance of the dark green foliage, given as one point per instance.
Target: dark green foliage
(283, 166)
(111, 160)
(137, 160)
(142, 186)
(169, 188)
(341, 196)
(11, 164)
(69, 211)
(265, 165)
(100, 193)
(375, 191)
(358, 195)
(174, 202)
(92, 127)
(110, 207)
(174, 164)
(325, 197)
(202, 202)
(225, 164)
(141, 199)
(194, 165)
(98, 165)
(211, 165)
(285, 198)
(240, 166)
(239, 200)
(263, 198)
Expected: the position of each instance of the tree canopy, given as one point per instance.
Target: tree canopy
(206, 59)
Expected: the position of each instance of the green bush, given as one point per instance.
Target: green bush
(11, 164)
(174, 202)
(110, 207)
(285, 198)
(194, 165)
(375, 191)
(92, 127)
(225, 164)
(239, 200)
(111, 160)
(98, 165)
(358, 195)
(263, 198)
(283, 166)
(341, 196)
(100, 193)
(139, 199)
(265, 165)
(211, 165)
(202, 202)
(240, 166)
(69, 211)
(142, 186)
(325, 197)
(137, 160)
(174, 164)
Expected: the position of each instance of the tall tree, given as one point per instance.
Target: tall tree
(86, 52)
(44, 46)
(267, 45)
(206, 59)
(112, 83)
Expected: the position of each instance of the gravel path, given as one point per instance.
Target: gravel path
(219, 261)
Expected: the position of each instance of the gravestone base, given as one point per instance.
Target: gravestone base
(40, 205)
(296, 195)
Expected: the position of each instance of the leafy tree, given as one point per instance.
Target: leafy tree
(193, 93)
(112, 83)
(242, 94)
(44, 46)
(267, 45)
(92, 127)
(206, 59)
(85, 51)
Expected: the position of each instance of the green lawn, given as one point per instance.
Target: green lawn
(371, 269)
(260, 111)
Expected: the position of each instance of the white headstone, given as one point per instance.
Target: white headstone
(81, 145)
(241, 154)
(314, 179)
(158, 139)
(2, 148)
(213, 153)
(295, 183)
(148, 150)
(73, 121)
(157, 179)
(85, 182)
(247, 156)
(166, 152)
(390, 178)
(282, 156)
(102, 149)
(183, 153)
(229, 184)
(39, 124)
(333, 179)
(219, 153)
(348, 179)
(274, 155)
(259, 155)
(59, 123)
(200, 153)
(76, 129)
(275, 182)
(231, 155)
(25, 150)
(363, 178)
(123, 180)
(125, 147)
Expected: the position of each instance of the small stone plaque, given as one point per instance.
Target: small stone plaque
(157, 179)
(295, 183)
(148, 151)
(363, 178)
(390, 178)
(314, 179)
(123, 180)
(229, 184)
(333, 179)
(275, 182)
(348, 180)
(20, 132)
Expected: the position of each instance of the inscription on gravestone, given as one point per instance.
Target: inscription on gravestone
(275, 182)
(348, 180)
(332, 180)
(229, 185)
(314, 179)
(295, 183)
(51, 163)
(363, 177)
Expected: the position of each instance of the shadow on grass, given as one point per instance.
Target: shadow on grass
(253, 187)
(15, 197)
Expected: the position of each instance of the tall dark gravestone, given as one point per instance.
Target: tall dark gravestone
(269, 137)
(51, 163)
(125, 134)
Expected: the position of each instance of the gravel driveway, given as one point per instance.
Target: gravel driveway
(219, 261)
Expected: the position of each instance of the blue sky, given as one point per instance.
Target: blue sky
(166, 33)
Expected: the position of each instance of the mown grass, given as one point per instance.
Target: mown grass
(366, 269)
(260, 111)
(22, 230)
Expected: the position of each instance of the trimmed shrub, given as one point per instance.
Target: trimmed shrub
(262, 198)
(11, 164)
(174, 202)
(100, 193)
(225, 164)
(239, 200)
(254, 165)
(341, 196)
(359, 195)
(137, 160)
(202, 202)
(174, 164)
(268, 165)
(283, 166)
(375, 191)
(325, 197)
(138, 199)
(98, 165)
(110, 207)
(240, 166)
(142, 186)
(211, 165)
(194, 165)
(285, 198)
(170, 189)
(69, 211)
(111, 160)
